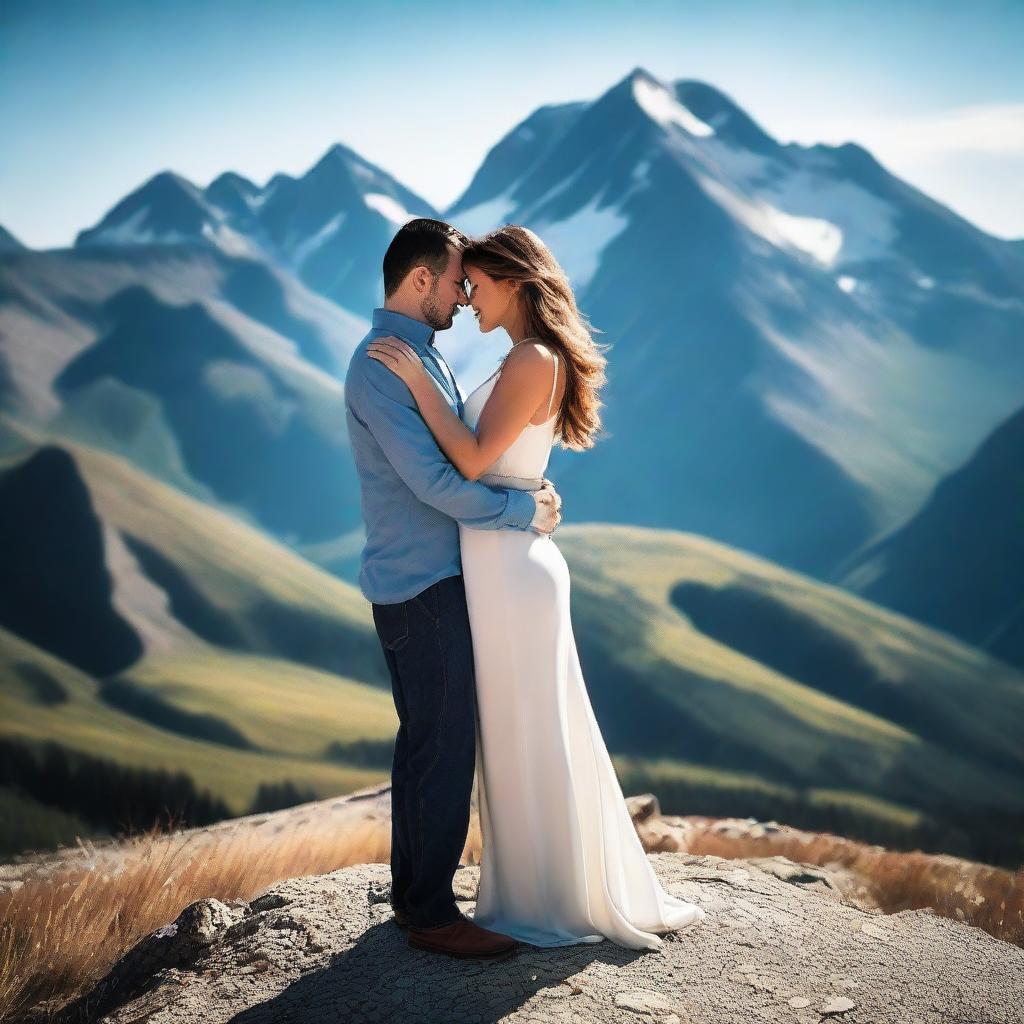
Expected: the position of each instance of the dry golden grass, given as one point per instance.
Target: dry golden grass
(976, 894)
(63, 929)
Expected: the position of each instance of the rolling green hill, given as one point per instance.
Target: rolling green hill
(722, 682)
(255, 666)
(184, 575)
(82, 721)
(706, 664)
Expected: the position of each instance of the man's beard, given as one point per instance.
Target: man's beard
(436, 315)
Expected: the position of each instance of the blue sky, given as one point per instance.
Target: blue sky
(95, 97)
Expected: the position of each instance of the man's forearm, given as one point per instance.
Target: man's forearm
(458, 442)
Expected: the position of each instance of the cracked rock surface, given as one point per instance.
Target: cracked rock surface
(776, 946)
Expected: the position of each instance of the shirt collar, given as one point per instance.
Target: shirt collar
(417, 333)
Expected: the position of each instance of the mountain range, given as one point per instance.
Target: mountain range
(803, 345)
(221, 374)
(797, 551)
(320, 227)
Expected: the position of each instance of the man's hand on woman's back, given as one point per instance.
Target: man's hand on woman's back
(549, 509)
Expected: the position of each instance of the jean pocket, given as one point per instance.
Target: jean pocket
(392, 624)
(427, 600)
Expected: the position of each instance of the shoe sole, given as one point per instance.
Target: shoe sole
(504, 954)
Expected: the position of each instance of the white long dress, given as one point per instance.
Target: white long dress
(561, 862)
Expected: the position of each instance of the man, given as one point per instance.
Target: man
(412, 501)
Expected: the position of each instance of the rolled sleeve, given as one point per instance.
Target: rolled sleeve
(383, 403)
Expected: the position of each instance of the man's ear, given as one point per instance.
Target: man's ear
(421, 278)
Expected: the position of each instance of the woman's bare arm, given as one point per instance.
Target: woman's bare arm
(523, 384)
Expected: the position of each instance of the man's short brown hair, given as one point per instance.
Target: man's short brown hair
(422, 242)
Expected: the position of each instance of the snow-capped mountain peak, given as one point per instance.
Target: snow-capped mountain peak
(816, 285)
(330, 226)
(167, 210)
(660, 104)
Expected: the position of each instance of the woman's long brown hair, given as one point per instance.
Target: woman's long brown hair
(549, 308)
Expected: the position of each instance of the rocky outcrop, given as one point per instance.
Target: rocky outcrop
(779, 944)
(671, 833)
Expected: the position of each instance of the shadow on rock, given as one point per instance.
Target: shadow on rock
(380, 978)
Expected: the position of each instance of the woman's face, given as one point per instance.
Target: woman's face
(493, 301)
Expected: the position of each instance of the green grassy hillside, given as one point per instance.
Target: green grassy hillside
(721, 682)
(732, 683)
(256, 667)
(82, 721)
(184, 573)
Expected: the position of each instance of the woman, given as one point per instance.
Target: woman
(561, 863)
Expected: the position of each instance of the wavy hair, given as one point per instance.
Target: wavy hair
(550, 314)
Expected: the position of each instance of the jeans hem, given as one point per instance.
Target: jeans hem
(434, 927)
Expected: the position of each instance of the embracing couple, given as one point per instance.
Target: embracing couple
(470, 601)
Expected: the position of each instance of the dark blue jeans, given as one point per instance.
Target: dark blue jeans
(429, 651)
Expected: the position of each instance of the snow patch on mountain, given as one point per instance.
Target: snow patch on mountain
(227, 240)
(130, 231)
(363, 171)
(861, 225)
(812, 236)
(387, 206)
(305, 249)
(486, 215)
(658, 103)
(579, 240)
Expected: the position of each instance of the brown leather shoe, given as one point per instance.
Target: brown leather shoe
(464, 940)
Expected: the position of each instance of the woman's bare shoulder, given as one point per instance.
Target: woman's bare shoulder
(533, 353)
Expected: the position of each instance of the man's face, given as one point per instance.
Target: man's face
(446, 294)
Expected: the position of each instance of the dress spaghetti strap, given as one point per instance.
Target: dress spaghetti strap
(554, 385)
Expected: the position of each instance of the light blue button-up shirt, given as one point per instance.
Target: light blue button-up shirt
(413, 498)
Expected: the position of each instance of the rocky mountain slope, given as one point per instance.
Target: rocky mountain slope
(938, 568)
(221, 375)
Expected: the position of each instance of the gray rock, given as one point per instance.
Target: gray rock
(643, 807)
(653, 1003)
(838, 1004)
(465, 883)
(322, 949)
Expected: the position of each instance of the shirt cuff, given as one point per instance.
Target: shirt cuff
(521, 509)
